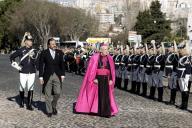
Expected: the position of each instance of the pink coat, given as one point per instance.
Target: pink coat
(87, 101)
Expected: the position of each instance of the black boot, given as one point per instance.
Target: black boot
(189, 85)
(182, 100)
(144, 86)
(172, 97)
(184, 103)
(133, 87)
(138, 88)
(186, 100)
(152, 93)
(116, 82)
(21, 104)
(30, 100)
(119, 83)
(125, 84)
(160, 94)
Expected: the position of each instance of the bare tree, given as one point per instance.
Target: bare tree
(77, 23)
(44, 19)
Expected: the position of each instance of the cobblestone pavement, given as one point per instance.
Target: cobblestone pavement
(134, 111)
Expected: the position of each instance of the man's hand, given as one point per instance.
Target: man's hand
(95, 81)
(110, 82)
(41, 81)
(62, 78)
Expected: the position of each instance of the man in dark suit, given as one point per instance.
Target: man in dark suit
(51, 75)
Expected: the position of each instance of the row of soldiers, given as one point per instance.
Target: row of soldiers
(147, 66)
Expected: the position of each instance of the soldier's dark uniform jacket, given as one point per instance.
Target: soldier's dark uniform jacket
(118, 61)
(124, 61)
(29, 63)
(114, 56)
(190, 61)
(130, 62)
(184, 67)
(150, 64)
(136, 62)
(171, 63)
(143, 61)
(159, 64)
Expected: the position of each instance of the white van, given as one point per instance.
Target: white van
(72, 43)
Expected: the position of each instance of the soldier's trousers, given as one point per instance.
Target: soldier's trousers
(27, 80)
(118, 78)
(125, 76)
(158, 79)
(183, 83)
(172, 81)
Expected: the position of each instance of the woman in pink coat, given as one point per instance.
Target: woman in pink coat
(97, 90)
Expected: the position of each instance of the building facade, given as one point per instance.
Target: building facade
(107, 11)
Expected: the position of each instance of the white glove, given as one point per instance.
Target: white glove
(16, 66)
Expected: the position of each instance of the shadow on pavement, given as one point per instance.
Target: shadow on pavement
(40, 105)
(14, 99)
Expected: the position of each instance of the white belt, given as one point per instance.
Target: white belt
(181, 69)
(148, 66)
(120, 63)
(129, 64)
(169, 66)
(157, 66)
(142, 66)
(134, 64)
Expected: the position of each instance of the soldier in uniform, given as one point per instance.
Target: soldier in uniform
(143, 64)
(159, 70)
(135, 70)
(129, 64)
(114, 54)
(118, 70)
(28, 57)
(139, 74)
(171, 64)
(183, 74)
(149, 71)
(124, 68)
(190, 80)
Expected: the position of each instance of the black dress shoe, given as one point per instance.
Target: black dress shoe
(49, 115)
(21, 105)
(54, 111)
(170, 103)
(182, 107)
(30, 108)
